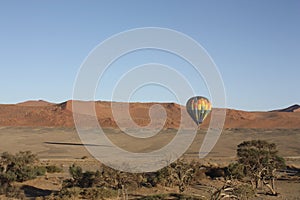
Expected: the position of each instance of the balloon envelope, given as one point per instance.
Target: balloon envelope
(198, 108)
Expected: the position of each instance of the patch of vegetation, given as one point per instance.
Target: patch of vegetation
(255, 168)
(69, 193)
(93, 193)
(181, 173)
(243, 191)
(19, 167)
(170, 196)
(232, 190)
(235, 171)
(40, 170)
(258, 160)
(87, 179)
(98, 193)
(11, 191)
(53, 169)
(155, 197)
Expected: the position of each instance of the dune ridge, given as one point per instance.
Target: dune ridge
(45, 114)
(293, 108)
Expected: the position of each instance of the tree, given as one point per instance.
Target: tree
(181, 174)
(259, 160)
(82, 179)
(18, 167)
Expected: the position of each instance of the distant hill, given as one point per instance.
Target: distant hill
(35, 103)
(41, 113)
(293, 108)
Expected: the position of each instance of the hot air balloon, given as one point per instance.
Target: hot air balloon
(198, 108)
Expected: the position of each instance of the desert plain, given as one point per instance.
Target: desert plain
(48, 130)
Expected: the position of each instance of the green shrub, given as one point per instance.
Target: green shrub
(25, 173)
(69, 193)
(53, 169)
(258, 160)
(7, 178)
(76, 172)
(39, 170)
(18, 167)
(82, 179)
(12, 191)
(235, 170)
(244, 191)
(258, 155)
(151, 179)
(98, 193)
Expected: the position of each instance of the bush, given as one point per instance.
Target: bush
(18, 167)
(40, 170)
(76, 172)
(179, 174)
(7, 178)
(257, 160)
(53, 169)
(151, 179)
(82, 179)
(98, 193)
(12, 192)
(258, 155)
(244, 191)
(86, 193)
(235, 171)
(69, 193)
(116, 179)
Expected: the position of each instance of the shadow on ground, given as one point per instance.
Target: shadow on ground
(74, 144)
(31, 191)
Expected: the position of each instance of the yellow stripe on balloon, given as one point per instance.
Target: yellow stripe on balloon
(191, 105)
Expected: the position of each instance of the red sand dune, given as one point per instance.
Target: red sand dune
(35, 103)
(41, 113)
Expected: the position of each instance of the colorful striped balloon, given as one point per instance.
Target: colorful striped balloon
(198, 108)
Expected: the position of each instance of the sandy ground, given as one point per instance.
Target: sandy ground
(64, 143)
(62, 146)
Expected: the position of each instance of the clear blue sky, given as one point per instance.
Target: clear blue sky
(255, 44)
